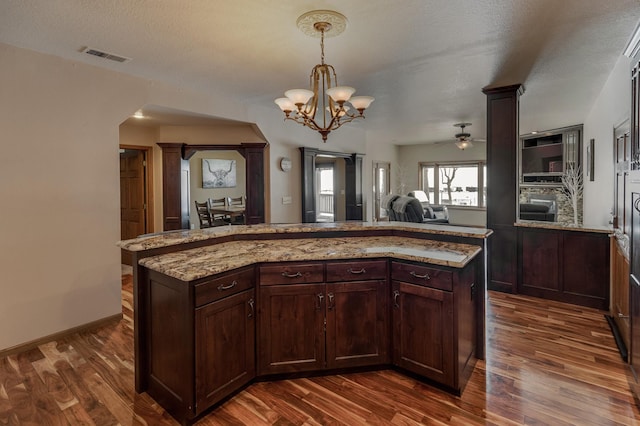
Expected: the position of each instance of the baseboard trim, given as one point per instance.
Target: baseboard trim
(61, 334)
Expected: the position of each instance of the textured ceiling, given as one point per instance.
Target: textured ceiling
(425, 61)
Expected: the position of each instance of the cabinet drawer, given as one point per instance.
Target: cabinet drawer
(224, 286)
(422, 275)
(291, 273)
(357, 271)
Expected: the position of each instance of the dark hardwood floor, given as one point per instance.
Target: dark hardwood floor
(548, 363)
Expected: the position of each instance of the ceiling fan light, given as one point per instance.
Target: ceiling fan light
(341, 93)
(285, 104)
(464, 144)
(361, 102)
(299, 97)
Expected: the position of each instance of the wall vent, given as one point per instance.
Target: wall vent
(105, 55)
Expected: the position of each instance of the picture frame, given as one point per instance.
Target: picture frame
(591, 160)
(218, 173)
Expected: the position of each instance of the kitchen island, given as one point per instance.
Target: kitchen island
(217, 308)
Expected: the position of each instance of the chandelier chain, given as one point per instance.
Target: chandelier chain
(322, 46)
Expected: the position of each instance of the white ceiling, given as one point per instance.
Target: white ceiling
(425, 61)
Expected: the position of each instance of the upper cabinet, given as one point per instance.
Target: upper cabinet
(545, 156)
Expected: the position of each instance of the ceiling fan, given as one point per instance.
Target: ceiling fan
(463, 139)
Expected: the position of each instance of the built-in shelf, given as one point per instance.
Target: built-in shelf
(545, 156)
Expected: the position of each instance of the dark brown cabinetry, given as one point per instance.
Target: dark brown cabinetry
(502, 183)
(357, 319)
(563, 265)
(291, 337)
(207, 338)
(310, 323)
(433, 322)
(225, 347)
(620, 291)
(201, 339)
(546, 155)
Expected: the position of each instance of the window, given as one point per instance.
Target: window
(457, 184)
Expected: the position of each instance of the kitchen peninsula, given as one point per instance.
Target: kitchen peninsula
(217, 308)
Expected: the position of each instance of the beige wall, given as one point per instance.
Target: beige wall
(611, 108)
(61, 133)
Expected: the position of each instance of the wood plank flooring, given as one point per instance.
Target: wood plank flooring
(547, 363)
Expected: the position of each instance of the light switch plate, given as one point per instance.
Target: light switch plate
(286, 199)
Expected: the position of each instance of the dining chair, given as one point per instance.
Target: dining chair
(235, 202)
(219, 203)
(204, 215)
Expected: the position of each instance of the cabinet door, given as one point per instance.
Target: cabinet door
(423, 340)
(291, 328)
(357, 324)
(540, 260)
(586, 269)
(225, 347)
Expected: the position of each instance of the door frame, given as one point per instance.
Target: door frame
(377, 198)
(148, 178)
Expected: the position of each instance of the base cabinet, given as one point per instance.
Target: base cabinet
(210, 337)
(312, 319)
(201, 341)
(620, 292)
(434, 322)
(567, 266)
(357, 324)
(225, 348)
(291, 330)
(423, 330)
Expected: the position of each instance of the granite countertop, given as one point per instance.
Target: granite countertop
(563, 226)
(166, 239)
(189, 265)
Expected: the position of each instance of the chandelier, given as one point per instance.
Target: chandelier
(327, 106)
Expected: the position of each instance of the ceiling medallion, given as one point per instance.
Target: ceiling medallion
(326, 106)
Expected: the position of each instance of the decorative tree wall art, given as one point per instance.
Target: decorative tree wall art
(573, 184)
(218, 173)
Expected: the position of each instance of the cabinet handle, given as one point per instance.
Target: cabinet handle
(425, 276)
(330, 297)
(621, 315)
(251, 305)
(223, 287)
(288, 275)
(361, 271)
(473, 290)
(320, 296)
(396, 294)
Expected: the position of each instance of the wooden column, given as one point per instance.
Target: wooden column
(502, 184)
(175, 187)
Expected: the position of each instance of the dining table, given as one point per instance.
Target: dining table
(233, 212)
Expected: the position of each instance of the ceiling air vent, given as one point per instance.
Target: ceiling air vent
(105, 55)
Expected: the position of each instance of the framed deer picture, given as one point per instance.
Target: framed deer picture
(218, 173)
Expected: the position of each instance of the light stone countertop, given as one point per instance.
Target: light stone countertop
(562, 226)
(193, 264)
(170, 238)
